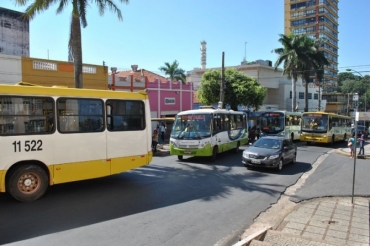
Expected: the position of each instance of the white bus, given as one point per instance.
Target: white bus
(57, 135)
(281, 123)
(207, 132)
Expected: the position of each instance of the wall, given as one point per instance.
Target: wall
(168, 99)
(10, 69)
(50, 72)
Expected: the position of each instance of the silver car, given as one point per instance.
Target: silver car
(270, 152)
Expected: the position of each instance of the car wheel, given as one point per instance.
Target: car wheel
(280, 165)
(180, 157)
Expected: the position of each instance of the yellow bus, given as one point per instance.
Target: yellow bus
(321, 127)
(54, 135)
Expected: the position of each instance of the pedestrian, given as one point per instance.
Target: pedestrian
(362, 144)
(155, 141)
(258, 132)
(351, 144)
(163, 130)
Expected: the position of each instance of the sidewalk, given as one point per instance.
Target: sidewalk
(163, 149)
(346, 152)
(320, 221)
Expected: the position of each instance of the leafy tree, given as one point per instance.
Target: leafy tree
(78, 16)
(343, 77)
(356, 84)
(299, 55)
(174, 72)
(239, 89)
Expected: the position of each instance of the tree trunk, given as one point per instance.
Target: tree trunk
(307, 80)
(294, 91)
(77, 51)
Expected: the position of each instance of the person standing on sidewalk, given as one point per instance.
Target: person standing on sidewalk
(163, 130)
(351, 144)
(155, 141)
(362, 144)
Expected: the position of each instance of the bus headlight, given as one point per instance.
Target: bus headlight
(174, 144)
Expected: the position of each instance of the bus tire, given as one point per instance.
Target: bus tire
(237, 147)
(292, 137)
(332, 140)
(345, 137)
(214, 153)
(180, 157)
(27, 183)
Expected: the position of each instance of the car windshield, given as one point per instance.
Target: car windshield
(268, 143)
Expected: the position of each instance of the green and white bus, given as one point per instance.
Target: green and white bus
(281, 123)
(207, 132)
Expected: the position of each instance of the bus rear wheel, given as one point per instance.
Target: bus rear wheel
(27, 183)
(180, 157)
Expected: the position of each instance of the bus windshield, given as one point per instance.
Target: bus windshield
(314, 123)
(192, 126)
(272, 123)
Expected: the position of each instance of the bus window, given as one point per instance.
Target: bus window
(26, 115)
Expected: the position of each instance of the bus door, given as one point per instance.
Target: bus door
(127, 134)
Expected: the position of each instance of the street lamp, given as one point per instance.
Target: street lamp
(351, 70)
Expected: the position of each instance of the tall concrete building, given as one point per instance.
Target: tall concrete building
(14, 33)
(316, 19)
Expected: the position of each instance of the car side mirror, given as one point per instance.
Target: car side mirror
(285, 148)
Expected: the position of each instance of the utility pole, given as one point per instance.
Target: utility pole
(222, 84)
(355, 101)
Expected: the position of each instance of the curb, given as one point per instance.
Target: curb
(341, 152)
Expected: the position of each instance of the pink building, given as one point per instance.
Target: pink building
(166, 98)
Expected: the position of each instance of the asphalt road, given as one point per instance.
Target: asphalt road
(169, 202)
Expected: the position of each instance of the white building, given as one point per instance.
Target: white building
(279, 87)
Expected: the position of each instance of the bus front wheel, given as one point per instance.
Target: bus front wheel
(180, 157)
(237, 147)
(214, 153)
(27, 183)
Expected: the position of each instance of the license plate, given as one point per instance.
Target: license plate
(187, 152)
(256, 161)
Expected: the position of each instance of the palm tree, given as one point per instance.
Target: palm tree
(291, 55)
(174, 72)
(78, 16)
(300, 55)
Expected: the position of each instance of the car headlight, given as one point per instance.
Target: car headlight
(274, 157)
(245, 155)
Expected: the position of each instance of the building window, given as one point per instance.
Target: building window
(316, 96)
(290, 95)
(44, 65)
(301, 95)
(309, 95)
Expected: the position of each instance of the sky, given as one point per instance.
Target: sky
(154, 32)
